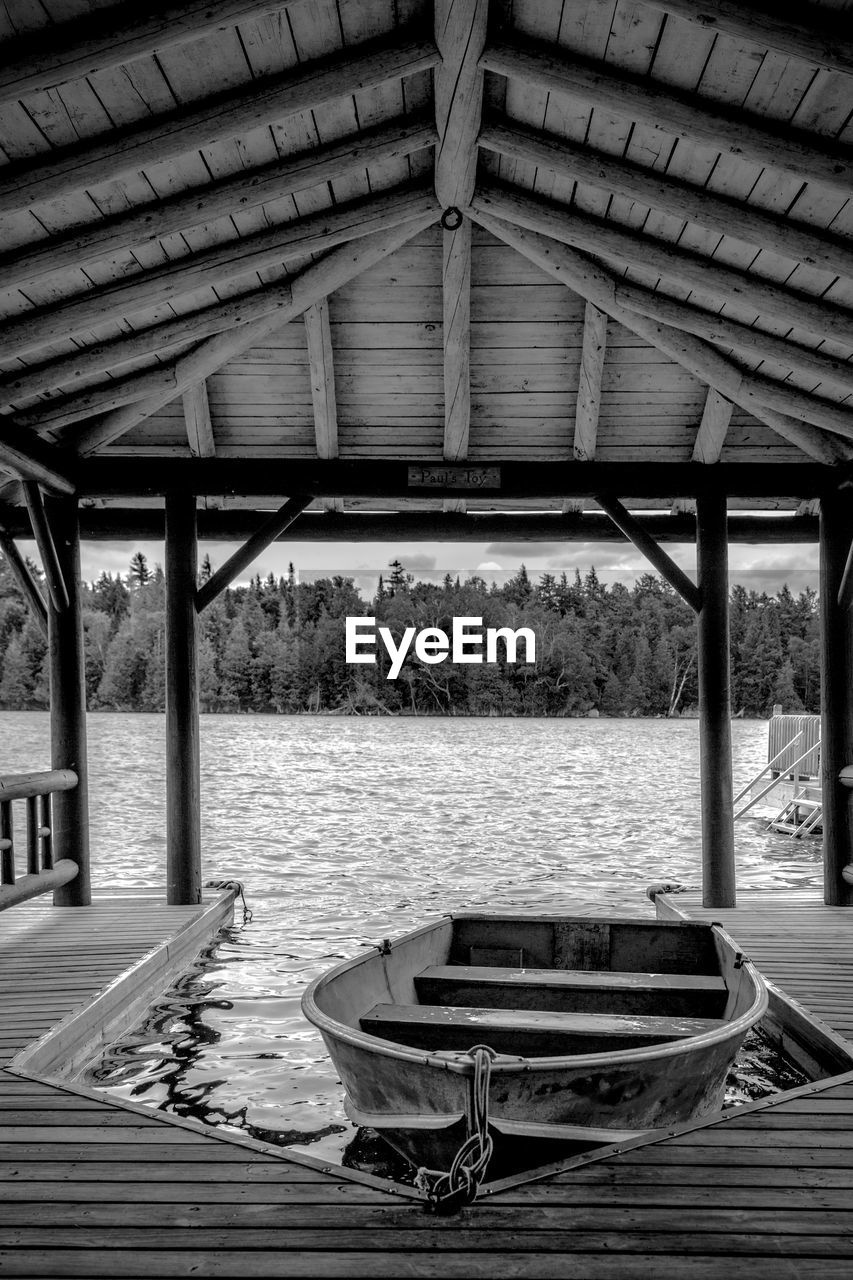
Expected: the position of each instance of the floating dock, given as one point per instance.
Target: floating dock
(90, 1187)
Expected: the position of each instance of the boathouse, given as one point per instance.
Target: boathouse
(363, 269)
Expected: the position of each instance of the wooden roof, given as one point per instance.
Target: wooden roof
(222, 241)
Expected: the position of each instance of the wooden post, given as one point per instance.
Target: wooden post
(715, 729)
(183, 799)
(70, 826)
(836, 699)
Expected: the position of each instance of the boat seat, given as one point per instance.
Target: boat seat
(525, 1032)
(579, 990)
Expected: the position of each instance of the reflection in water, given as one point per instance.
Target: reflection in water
(345, 831)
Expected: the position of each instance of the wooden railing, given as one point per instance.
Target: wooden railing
(42, 874)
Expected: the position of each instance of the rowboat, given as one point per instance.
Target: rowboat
(599, 1030)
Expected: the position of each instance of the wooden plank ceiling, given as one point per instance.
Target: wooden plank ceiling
(221, 237)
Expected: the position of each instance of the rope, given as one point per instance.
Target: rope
(238, 889)
(449, 1191)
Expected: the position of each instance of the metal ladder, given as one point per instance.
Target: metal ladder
(788, 818)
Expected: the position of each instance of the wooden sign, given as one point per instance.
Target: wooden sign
(454, 477)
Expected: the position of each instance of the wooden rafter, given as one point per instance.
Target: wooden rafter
(33, 459)
(321, 366)
(818, 41)
(593, 353)
(225, 115)
(109, 37)
(53, 415)
(24, 578)
(699, 358)
(460, 34)
(219, 264)
(315, 282)
(596, 235)
(527, 213)
(197, 419)
(686, 115)
(720, 213)
(731, 333)
(711, 435)
(272, 528)
(647, 546)
(246, 190)
(57, 588)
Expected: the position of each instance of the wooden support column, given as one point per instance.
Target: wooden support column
(589, 387)
(183, 801)
(24, 579)
(836, 700)
(68, 750)
(715, 729)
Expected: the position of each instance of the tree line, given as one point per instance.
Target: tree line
(277, 645)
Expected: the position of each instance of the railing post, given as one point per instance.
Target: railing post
(183, 803)
(836, 699)
(70, 827)
(715, 728)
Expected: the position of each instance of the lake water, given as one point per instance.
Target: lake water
(345, 831)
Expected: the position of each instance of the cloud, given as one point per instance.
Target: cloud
(523, 550)
(488, 565)
(419, 561)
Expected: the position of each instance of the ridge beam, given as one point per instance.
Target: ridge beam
(460, 35)
(686, 115)
(197, 418)
(711, 435)
(653, 552)
(593, 354)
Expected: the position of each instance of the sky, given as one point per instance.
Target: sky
(761, 568)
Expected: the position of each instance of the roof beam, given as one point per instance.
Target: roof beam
(197, 419)
(648, 547)
(460, 35)
(711, 435)
(724, 332)
(145, 477)
(24, 579)
(53, 415)
(248, 189)
(699, 358)
(595, 235)
(321, 364)
(686, 115)
(109, 37)
(33, 459)
(219, 264)
(315, 282)
(720, 213)
(818, 40)
(271, 529)
(223, 115)
(593, 352)
(147, 524)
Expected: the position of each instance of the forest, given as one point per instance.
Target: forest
(277, 645)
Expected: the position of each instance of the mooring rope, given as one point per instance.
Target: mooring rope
(237, 886)
(451, 1190)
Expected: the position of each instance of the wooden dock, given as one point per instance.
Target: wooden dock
(90, 1187)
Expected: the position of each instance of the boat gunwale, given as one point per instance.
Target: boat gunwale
(458, 1061)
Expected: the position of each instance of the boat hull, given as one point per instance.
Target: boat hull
(420, 1100)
